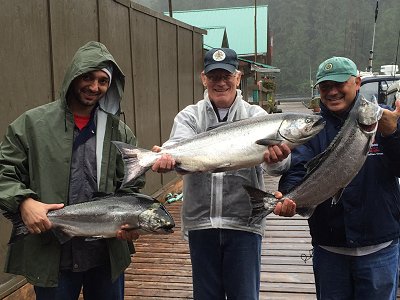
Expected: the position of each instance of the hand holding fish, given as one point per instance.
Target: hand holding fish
(34, 215)
(164, 164)
(276, 153)
(287, 208)
(126, 234)
(388, 122)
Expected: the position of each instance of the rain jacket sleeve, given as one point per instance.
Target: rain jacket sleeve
(390, 146)
(14, 168)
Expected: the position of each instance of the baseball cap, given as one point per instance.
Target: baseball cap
(337, 69)
(220, 58)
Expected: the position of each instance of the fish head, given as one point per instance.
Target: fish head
(156, 219)
(297, 129)
(369, 113)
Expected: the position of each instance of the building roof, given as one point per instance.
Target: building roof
(238, 23)
(260, 67)
(216, 34)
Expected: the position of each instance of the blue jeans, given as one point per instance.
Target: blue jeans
(372, 276)
(96, 285)
(225, 264)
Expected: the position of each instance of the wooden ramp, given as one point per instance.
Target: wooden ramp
(286, 266)
(161, 267)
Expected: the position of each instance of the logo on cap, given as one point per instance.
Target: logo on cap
(328, 66)
(219, 55)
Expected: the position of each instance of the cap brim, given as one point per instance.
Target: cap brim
(226, 67)
(334, 77)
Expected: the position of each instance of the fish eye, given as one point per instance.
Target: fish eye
(308, 120)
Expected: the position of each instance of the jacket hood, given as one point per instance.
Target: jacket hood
(90, 57)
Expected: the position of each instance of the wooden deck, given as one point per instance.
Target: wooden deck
(161, 267)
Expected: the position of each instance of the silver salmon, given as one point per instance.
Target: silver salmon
(329, 173)
(103, 217)
(231, 146)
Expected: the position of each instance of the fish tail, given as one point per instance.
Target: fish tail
(305, 211)
(131, 157)
(19, 230)
(262, 203)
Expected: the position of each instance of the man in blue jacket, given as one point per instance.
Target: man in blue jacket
(356, 241)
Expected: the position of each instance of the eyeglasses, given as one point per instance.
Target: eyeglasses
(219, 77)
(326, 86)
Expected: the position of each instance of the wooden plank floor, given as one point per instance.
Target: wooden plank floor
(161, 267)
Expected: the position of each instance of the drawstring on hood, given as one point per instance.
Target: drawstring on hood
(123, 115)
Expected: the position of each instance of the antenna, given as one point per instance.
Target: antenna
(371, 52)
(311, 81)
(397, 53)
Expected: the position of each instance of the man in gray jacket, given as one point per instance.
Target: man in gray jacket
(225, 250)
(59, 154)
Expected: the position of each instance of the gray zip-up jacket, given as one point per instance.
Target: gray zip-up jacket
(35, 161)
(217, 200)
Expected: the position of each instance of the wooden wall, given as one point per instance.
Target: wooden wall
(160, 57)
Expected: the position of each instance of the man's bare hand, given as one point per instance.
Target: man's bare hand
(126, 234)
(34, 214)
(276, 153)
(388, 122)
(287, 208)
(164, 164)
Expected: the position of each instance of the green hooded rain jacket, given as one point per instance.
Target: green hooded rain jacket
(35, 158)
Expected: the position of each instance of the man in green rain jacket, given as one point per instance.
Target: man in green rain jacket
(59, 154)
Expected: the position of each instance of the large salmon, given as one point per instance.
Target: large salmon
(331, 171)
(103, 217)
(232, 146)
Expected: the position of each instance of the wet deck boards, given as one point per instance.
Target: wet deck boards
(161, 267)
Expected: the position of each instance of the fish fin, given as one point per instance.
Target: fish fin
(181, 170)
(337, 196)
(261, 202)
(93, 238)
(318, 159)
(268, 142)
(368, 145)
(129, 229)
(223, 168)
(219, 125)
(61, 236)
(19, 230)
(130, 156)
(305, 104)
(96, 195)
(314, 162)
(305, 211)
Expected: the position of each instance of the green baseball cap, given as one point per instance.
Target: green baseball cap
(337, 69)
